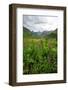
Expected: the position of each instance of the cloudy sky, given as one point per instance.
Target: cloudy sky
(40, 23)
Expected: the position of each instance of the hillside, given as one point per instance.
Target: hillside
(53, 34)
(27, 32)
(48, 34)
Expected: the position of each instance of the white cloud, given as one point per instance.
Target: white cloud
(40, 23)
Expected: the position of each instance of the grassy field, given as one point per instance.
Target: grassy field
(39, 55)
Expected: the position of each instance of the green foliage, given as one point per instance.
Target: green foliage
(40, 56)
(39, 52)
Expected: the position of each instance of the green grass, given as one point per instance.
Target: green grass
(39, 55)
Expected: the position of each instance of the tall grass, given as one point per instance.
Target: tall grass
(39, 56)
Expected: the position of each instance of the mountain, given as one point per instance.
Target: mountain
(53, 34)
(48, 34)
(36, 34)
(45, 33)
(27, 32)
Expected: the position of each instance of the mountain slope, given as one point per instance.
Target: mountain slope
(27, 32)
(44, 34)
(53, 34)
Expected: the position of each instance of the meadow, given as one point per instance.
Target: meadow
(39, 55)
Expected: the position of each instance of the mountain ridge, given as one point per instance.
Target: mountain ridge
(28, 33)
